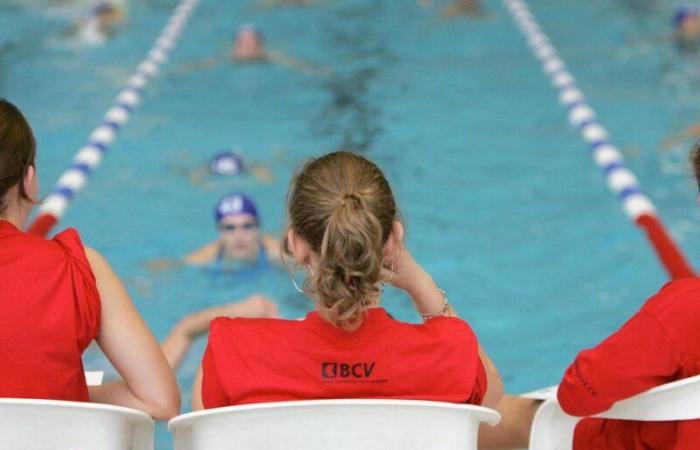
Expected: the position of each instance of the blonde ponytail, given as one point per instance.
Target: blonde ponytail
(342, 205)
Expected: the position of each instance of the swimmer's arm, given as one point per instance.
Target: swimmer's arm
(202, 256)
(148, 383)
(690, 132)
(295, 63)
(198, 65)
(198, 175)
(455, 9)
(261, 172)
(267, 4)
(176, 345)
(272, 248)
(656, 39)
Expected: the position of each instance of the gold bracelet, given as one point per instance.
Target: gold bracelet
(443, 309)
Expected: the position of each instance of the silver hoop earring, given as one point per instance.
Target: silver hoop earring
(391, 271)
(293, 276)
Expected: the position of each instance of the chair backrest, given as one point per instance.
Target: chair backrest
(552, 428)
(32, 424)
(336, 424)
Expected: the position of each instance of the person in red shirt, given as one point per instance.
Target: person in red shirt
(343, 230)
(658, 345)
(57, 296)
(177, 343)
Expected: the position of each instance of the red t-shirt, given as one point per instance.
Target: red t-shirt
(659, 344)
(49, 313)
(268, 360)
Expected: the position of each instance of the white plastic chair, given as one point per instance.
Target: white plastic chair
(31, 424)
(553, 429)
(333, 424)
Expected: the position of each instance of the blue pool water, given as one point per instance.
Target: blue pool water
(502, 202)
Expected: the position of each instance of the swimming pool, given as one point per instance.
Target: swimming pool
(501, 200)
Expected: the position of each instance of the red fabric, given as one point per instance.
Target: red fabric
(49, 313)
(267, 360)
(659, 344)
(671, 257)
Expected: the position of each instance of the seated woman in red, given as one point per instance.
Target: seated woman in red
(57, 296)
(343, 230)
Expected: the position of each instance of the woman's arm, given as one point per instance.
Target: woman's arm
(430, 300)
(148, 383)
(637, 357)
(197, 391)
(494, 383)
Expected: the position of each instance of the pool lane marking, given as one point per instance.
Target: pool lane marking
(90, 156)
(620, 180)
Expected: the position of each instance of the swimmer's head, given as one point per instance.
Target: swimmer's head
(226, 163)
(237, 222)
(103, 8)
(249, 30)
(107, 14)
(235, 204)
(249, 43)
(684, 13)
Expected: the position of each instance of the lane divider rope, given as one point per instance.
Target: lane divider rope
(90, 156)
(619, 178)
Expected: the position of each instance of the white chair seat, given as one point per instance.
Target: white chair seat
(31, 424)
(333, 424)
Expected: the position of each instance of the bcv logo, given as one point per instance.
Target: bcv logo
(346, 370)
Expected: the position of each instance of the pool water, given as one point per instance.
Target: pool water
(501, 200)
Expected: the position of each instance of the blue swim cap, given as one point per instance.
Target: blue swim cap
(235, 204)
(250, 27)
(226, 163)
(684, 12)
(102, 8)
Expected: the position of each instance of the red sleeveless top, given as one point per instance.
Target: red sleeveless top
(49, 314)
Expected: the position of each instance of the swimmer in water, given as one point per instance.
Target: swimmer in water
(692, 132)
(686, 31)
(470, 8)
(229, 164)
(686, 23)
(240, 244)
(267, 4)
(101, 25)
(249, 47)
(248, 44)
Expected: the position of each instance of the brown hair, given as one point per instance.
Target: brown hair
(17, 150)
(342, 205)
(695, 159)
